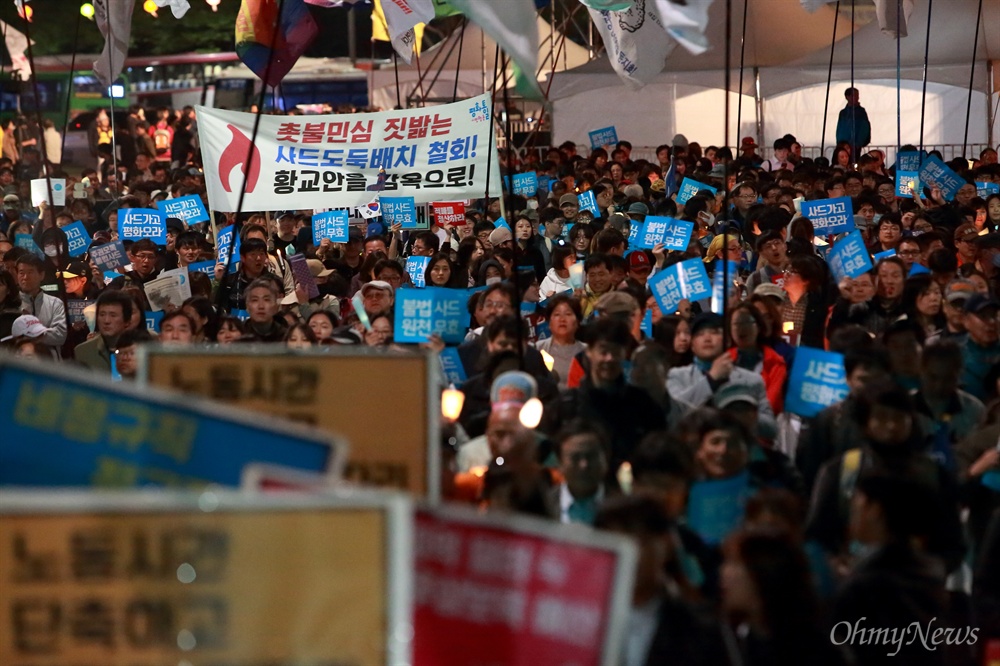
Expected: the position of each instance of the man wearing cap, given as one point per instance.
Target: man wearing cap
(501, 237)
(956, 293)
(28, 326)
(748, 152)
(49, 310)
(11, 212)
(569, 204)
(981, 352)
(114, 312)
(773, 253)
(639, 269)
(965, 244)
(695, 385)
(378, 298)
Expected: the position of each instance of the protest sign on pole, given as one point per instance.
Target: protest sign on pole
(191, 209)
(195, 577)
(136, 223)
(77, 238)
(691, 187)
(66, 427)
(449, 212)
(399, 210)
(335, 160)
(397, 447)
(849, 257)
(830, 216)
(817, 381)
(533, 591)
(606, 136)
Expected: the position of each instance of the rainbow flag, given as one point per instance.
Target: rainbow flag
(256, 23)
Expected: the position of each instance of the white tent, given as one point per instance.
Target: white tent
(474, 64)
(787, 56)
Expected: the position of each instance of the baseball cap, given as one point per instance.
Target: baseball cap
(376, 284)
(638, 259)
(75, 269)
(748, 142)
(978, 302)
(769, 289)
(959, 291)
(616, 302)
(500, 235)
(706, 320)
(966, 232)
(175, 224)
(375, 229)
(26, 326)
(658, 185)
(568, 199)
(513, 386)
(732, 394)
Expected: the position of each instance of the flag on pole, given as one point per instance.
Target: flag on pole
(686, 23)
(608, 5)
(114, 20)
(402, 23)
(177, 7)
(887, 11)
(256, 23)
(636, 40)
(513, 25)
(17, 44)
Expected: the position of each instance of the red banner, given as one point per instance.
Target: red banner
(488, 593)
(451, 212)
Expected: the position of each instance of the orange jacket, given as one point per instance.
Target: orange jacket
(774, 372)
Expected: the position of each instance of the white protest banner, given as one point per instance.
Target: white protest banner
(40, 191)
(333, 161)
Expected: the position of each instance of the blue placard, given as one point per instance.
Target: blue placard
(27, 242)
(647, 323)
(882, 255)
(419, 313)
(830, 216)
(635, 229)
(416, 268)
(917, 269)
(191, 209)
(545, 184)
(109, 256)
(451, 365)
(687, 279)
(689, 188)
(153, 320)
(222, 243)
(206, 267)
(77, 237)
(935, 172)
(502, 223)
(909, 161)
(399, 210)
(242, 315)
(65, 428)
(674, 234)
(716, 506)
(984, 189)
(718, 275)
(75, 308)
(332, 224)
(817, 381)
(136, 223)
(606, 136)
(849, 257)
(589, 202)
(903, 180)
(526, 184)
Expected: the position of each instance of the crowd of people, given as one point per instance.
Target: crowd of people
(882, 511)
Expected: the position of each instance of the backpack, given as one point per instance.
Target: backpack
(161, 139)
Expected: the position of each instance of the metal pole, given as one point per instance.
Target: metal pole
(972, 79)
(395, 67)
(352, 37)
(458, 65)
(69, 89)
(854, 115)
(725, 179)
(923, 94)
(829, 80)
(38, 118)
(743, 50)
(899, 118)
(493, 130)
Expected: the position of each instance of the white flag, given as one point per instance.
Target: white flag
(686, 23)
(114, 20)
(636, 40)
(177, 7)
(512, 24)
(17, 44)
(887, 11)
(401, 16)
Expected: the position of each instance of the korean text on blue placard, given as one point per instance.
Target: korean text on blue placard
(606, 136)
(207, 267)
(689, 188)
(830, 216)
(635, 229)
(718, 277)
(77, 237)
(684, 280)
(451, 365)
(332, 224)
(222, 244)
(27, 242)
(526, 184)
(935, 172)
(110, 256)
(589, 202)
(420, 313)
(985, 189)
(907, 182)
(909, 161)
(416, 268)
(399, 210)
(153, 320)
(136, 223)
(817, 381)
(191, 209)
(673, 233)
(849, 257)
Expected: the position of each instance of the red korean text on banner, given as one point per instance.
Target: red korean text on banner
(452, 212)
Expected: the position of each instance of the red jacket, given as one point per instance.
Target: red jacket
(774, 372)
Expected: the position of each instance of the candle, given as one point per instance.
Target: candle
(452, 401)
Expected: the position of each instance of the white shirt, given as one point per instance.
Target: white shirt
(642, 624)
(566, 500)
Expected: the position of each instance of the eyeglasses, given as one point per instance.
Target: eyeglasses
(146, 256)
(495, 305)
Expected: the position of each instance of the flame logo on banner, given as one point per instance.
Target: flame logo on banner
(235, 154)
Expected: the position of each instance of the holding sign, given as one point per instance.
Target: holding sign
(421, 313)
(189, 208)
(136, 223)
(77, 237)
(606, 136)
(416, 268)
(589, 202)
(332, 224)
(674, 234)
(110, 256)
(935, 172)
(399, 210)
(687, 279)
(830, 216)
(689, 188)
(907, 182)
(452, 212)
(526, 184)
(40, 191)
(849, 257)
(817, 381)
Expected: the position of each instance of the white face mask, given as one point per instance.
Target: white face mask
(51, 251)
(532, 204)
(493, 280)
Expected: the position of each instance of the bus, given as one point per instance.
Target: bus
(314, 85)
